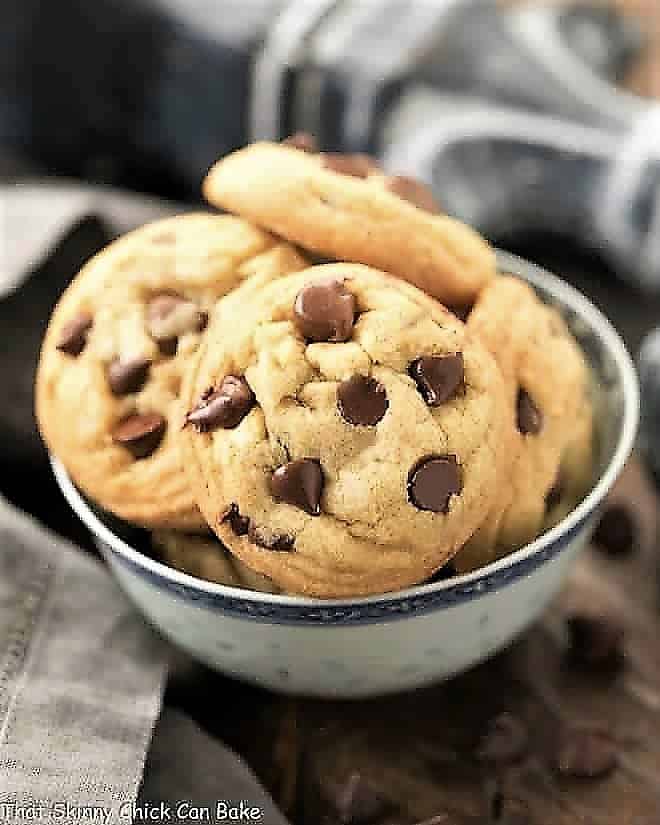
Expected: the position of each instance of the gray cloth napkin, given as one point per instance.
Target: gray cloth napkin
(81, 680)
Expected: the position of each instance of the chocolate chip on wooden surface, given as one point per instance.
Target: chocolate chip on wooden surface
(325, 311)
(359, 802)
(529, 416)
(362, 400)
(505, 741)
(595, 642)
(73, 336)
(304, 141)
(128, 376)
(617, 532)
(140, 434)
(299, 483)
(586, 753)
(433, 481)
(223, 408)
(438, 377)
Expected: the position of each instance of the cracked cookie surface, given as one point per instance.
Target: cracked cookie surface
(111, 364)
(550, 420)
(344, 439)
(345, 208)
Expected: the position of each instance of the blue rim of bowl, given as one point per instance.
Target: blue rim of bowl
(424, 598)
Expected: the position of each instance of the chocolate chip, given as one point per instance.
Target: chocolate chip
(356, 165)
(140, 434)
(125, 377)
(359, 802)
(225, 407)
(554, 494)
(299, 483)
(505, 741)
(433, 481)
(73, 336)
(304, 141)
(617, 533)
(529, 417)
(362, 400)
(586, 753)
(170, 315)
(596, 642)
(438, 377)
(238, 523)
(413, 191)
(271, 540)
(325, 311)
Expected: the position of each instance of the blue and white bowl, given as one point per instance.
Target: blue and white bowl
(397, 641)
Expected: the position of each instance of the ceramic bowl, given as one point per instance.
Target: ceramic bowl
(396, 641)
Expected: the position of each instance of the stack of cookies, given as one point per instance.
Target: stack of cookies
(329, 392)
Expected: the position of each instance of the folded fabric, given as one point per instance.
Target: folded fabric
(81, 679)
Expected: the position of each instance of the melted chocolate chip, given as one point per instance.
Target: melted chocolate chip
(529, 417)
(586, 753)
(362, 400)
(356, 165)
(415, 192)
(617, 533)
(299, 483)
(304, 141)
(271, 540)
(596, 642)
(238, 523)
(225, 407)
(325, 311)
(140, 434)
(438, 377)
(505, 741)
(433, 481)
(73, 337)
(125, 377)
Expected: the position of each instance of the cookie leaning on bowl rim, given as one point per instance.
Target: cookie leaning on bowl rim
(345, 438)
(344, 207)
(550, 421)
(111, 363)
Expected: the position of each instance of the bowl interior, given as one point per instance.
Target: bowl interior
(616, 398)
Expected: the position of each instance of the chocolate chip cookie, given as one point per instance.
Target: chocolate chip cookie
(549, 420)
(344, 207)
(111, 365)
(204, 557)
(344, 439)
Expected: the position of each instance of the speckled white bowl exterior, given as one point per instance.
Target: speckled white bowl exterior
(381, 644)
